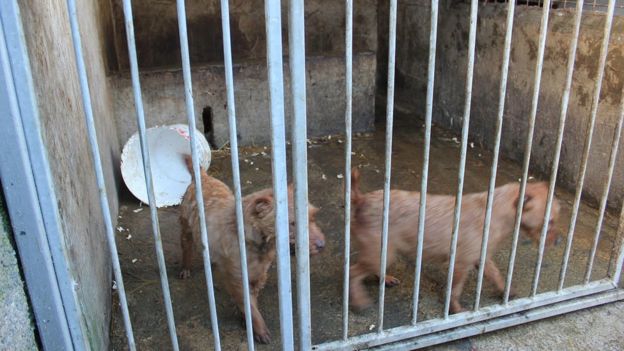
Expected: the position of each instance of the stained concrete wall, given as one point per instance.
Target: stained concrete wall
(49, 43)
(450, 84)
(158, 49)
(157, 40)
(163, 98)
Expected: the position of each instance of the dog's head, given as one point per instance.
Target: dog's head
(315, 235)
(259, 214)
(533, 211)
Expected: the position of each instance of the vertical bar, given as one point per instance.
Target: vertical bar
(296, 39)
(511, 6)
(564, 111)
(590, 131)
(605, 194)
(472, 38)
(348, 137)
(386, 194)
(147, 171)
(231, 111)
(620, 257)
(528, 145)
(97, 164)
(273, 20)
(190, 114)
(229, 80)
(433, 35)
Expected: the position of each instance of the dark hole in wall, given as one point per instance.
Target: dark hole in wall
(208, 125)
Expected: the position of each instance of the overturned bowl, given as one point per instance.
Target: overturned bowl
(167, 146)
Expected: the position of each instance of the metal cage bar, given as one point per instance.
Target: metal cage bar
(456, 320)
(528, 147)
(388, 160)
(347, 175)
(190, 114)
(511, 6)
(296, 39)
(147, 171)
(231, 112)
(614, 146)
(562, 119)
(433, 35)
(472, 39)
(97, 164)
(57, 325)
(590, 127)
(278, 164)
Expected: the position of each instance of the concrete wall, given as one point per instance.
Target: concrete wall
(157, 39)
(51, 53)
(158, 49)
(16, 325)
(163, 98)
(450, 84)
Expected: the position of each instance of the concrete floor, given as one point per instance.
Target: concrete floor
(326, 165)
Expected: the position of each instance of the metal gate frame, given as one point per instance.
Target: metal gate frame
(34, 212)
(28, 187)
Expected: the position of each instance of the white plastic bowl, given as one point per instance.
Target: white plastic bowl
(167, 147)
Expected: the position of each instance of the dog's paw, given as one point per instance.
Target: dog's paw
(512, 293)
(392, 281)
(456, 308)
(184, 274)
(262, 336)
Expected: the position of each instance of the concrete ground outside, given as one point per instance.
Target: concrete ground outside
(597, 328)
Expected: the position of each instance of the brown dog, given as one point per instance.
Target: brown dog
(366, 221)
(258, 214)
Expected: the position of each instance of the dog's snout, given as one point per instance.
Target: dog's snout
(320, 243)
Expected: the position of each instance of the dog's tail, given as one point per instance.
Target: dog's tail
(356, 194)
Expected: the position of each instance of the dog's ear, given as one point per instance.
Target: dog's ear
(262, 206)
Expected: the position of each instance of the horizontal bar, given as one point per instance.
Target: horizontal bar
(231, 112)
(508, 321)
(433, 35)
(190, 116)
(564, 112)
(472, 39)
(147, 171)
(388, 160)
(97, 164)
(348, 147)
(464, 318)
(273, 24)
(511, 6)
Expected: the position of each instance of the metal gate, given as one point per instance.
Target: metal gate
(64, 330)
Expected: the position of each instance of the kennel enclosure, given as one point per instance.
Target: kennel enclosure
(60, 184)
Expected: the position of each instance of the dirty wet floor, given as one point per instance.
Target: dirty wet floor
(326, 169)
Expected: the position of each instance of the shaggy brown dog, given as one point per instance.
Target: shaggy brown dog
(366, 221)
(258, 214)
